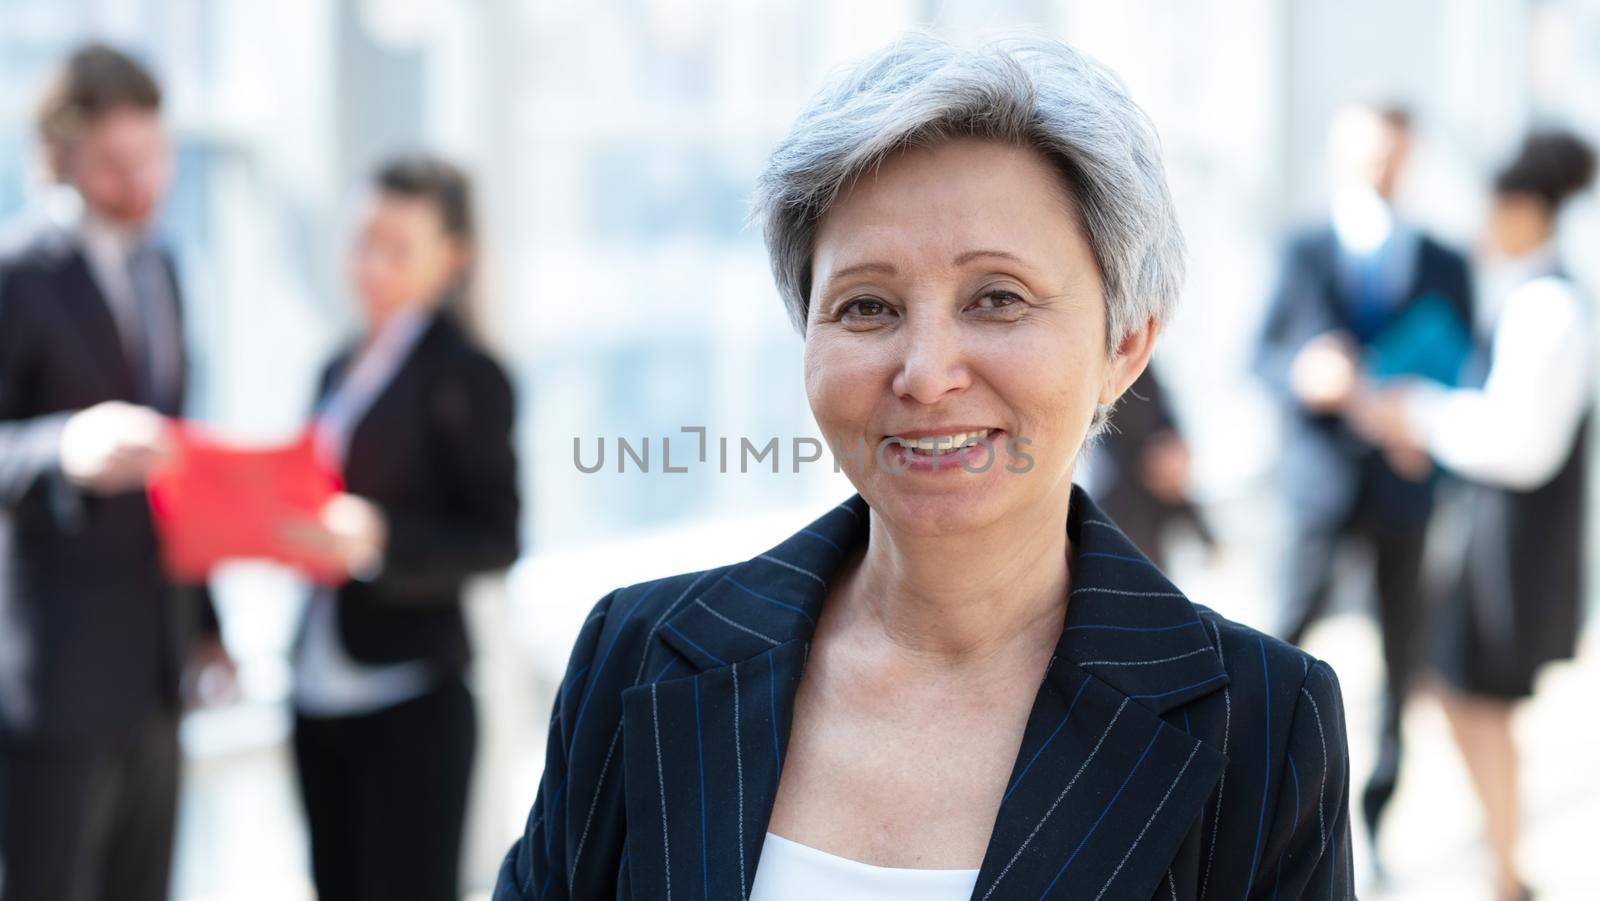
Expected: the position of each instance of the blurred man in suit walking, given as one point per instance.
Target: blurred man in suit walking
(1362, 293)
(92, 633)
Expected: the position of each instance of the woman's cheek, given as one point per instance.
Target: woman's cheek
(839, 382)
(823, 393)
(1053, 399)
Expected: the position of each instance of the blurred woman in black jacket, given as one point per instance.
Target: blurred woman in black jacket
(418, 420)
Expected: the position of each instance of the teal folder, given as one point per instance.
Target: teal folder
(1428, 340)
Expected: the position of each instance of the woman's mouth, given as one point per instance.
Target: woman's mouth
(966, 448)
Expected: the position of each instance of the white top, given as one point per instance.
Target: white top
(1517, 430)
(327, 681)
(790, 871)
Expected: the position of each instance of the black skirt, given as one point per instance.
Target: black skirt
(1516, 601)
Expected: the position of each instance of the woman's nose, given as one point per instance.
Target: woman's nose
(933, 364)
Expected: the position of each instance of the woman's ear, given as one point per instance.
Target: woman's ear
(1129, 360)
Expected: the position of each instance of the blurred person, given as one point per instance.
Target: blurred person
(962, 681)
(1522, 438)
(1347, 293)
(418, 420)
(93, 635)
(1139, 470)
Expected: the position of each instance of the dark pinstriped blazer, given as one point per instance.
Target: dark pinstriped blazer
(1169, 753)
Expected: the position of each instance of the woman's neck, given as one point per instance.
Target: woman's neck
(381, 322)
(968, 597)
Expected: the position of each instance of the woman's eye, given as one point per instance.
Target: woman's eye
(864, 308)
(996, 300)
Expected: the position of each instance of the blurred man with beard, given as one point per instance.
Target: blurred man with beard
(93, 634)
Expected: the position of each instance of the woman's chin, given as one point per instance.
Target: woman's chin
(962, 502)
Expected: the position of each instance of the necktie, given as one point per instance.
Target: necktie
(1371, 306)
(155, 363)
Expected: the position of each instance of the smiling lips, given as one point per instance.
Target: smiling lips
(942, 449)
(941, 443)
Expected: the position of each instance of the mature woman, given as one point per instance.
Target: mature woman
(963, 681)
(1521, 437)
(418, 420)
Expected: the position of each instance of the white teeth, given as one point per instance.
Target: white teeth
(940, 443)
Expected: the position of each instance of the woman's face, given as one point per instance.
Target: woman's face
(955, 297)
(402, 256)
(1518, 223)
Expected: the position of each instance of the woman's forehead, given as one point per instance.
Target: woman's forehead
(389, 209)
(948, 204)
(952, 170)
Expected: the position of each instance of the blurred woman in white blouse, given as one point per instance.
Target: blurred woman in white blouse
(1522, 439)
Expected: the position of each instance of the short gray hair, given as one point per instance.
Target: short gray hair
(1024, 90)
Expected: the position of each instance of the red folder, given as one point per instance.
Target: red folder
(216, 501)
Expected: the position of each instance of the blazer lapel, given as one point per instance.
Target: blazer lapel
(1104, 789)
(1101, 793)
(89, 311)
(703, 754)
(391, 403)
(702, 757)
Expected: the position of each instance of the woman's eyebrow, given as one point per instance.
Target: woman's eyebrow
(877, 268)
(961, 259)
(968, 256)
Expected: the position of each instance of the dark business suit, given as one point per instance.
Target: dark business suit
(1337, 485)
(92, 633)
(1331, 473)
(1169, 752)
(386, 791)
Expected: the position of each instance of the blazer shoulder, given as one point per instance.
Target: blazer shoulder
(1265, 668)
(31, 267)
(459, 356)
(34, 255)
(447, 336)
(462, 386)
(34, 247)
(1278, 697)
